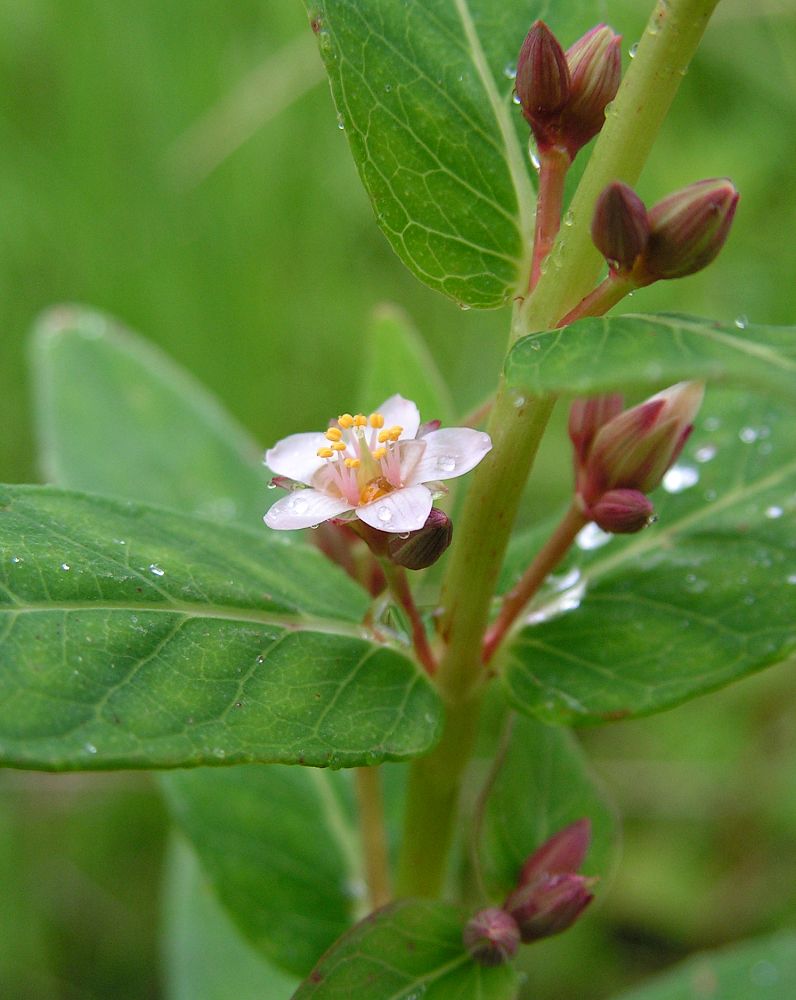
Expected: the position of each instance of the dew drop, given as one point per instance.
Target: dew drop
(742, 322)
(387, 88)
(633, 50)
(340, 122)
(592, 537)
(774, 512)
(748, 435)
(679, 478)
(712, 424)
(405, 534)
(569, 217)
(791, 579)
(271, 485)
(384, 514)
(218, 753)
(518, 402)
(298, 504)
(155, 570)
(515, 99)
(535, 162)
(463, 306)
(510, 71)
(261, 659)
(446, 463)
(90, 748)
(65, 567)
(705, 453)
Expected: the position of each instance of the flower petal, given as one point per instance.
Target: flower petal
(296, 456)
(403, 412)
(450, 452)
(302, 509)
(403, 510)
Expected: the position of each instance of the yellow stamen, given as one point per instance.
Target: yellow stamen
(395, 433)
(384, 436)
(376, 420)
(379, 453)
(360, 420)
(339, 446)
(334, 434)
(325, 453)
(345, 420)
(352, 463)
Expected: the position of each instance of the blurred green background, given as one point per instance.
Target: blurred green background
(179, 165)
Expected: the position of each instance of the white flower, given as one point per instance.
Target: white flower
(377, 467)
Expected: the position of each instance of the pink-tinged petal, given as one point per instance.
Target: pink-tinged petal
(398, 512)
(450, 452)
(401, 412)
(410, 454)
(302, 509)
(296, 456)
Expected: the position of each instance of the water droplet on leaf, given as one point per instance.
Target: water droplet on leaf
(679, 478)
(384, 514)
(155, 570)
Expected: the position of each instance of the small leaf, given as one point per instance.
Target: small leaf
(636, 624)
(543, 784)
(640, 353)
(764, 969)
(133, 636)
(280, 848)
(399, 361)
(205, 958)
(410, 949)
(115, 415)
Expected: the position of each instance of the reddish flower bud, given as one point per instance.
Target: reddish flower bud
(619, 228)
(423, 547)
(542, 82)
(561, 853)
(622, 512)
(587, 416)
(634, 450)
(549, 905)
(491, 936)
(595, 67)
(688, 229)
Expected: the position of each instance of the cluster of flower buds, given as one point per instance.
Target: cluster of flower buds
(622, 455)
(564, 95)
(549, 897)
(678, 236)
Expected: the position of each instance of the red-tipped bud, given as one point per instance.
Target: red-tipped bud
(549, 905)
(491, 936)
(622, 512)
(587, 416)
(542, 82)
(595, 67)
(689, 228)
(619, 228)
(563, 852)
(420, 549)
(634, 450)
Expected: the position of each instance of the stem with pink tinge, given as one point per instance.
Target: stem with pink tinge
(553, 165)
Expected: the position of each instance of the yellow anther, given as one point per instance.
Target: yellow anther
(360, 420)
(384, 436)
(376, 420)
(334, 434)
(396, 432)
(345, 420)
(352, 463)
(339, 445)
(325, 453)
(379, 453)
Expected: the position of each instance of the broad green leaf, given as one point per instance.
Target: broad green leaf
(543, 784)
(649, 352)
(633, 625)
(205, 958)
(408, 949)
(755, 970)
(137, 637)
(399, 361)
(115, 415)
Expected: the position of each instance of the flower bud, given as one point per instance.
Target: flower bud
(619, 228)
(587, 416)
(688, 229)
(633, 450)
(549, 904)
(561, 853)
(542, 82)
(622, 512)
(595, 67)
(423, 547)
(491, 936)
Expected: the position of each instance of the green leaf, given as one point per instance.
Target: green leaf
(755, 970)
(281, 853)
(408, 949)
(399, 361)
(648, 352)
(543, 784)
(134, 636)
(205, 958)
(633, 625)
(115, 415)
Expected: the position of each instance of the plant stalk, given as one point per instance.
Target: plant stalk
(374, 835)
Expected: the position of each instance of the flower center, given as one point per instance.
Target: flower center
(362, 457)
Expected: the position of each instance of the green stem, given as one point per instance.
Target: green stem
(374, 835)
(516, 427)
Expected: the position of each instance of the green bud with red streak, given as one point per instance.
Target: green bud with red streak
(491, 936)
(620, 229)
